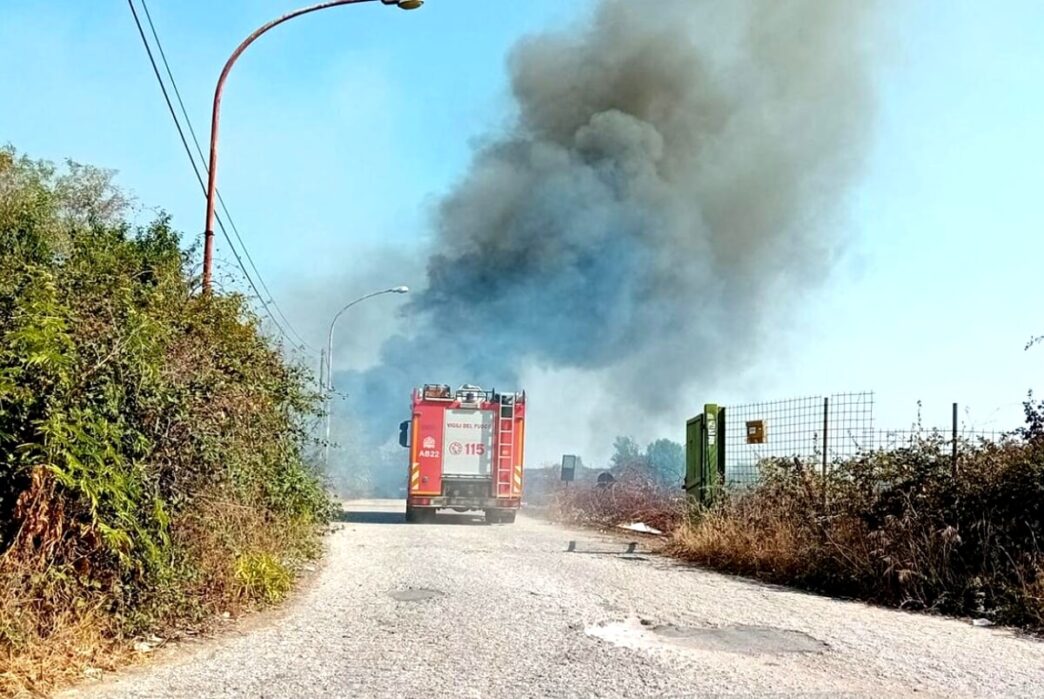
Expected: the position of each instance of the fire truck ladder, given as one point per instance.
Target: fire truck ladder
(505, 446)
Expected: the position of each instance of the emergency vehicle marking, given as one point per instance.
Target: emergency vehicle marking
(466, 439)
(429, 450)
(468, 442)
(424, 478)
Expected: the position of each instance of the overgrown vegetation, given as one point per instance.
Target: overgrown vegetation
(634, 496)
(151, 438)
(894, 527)
(653, 474)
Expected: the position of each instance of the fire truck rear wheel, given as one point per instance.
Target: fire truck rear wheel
(411, 515)
(507, 517)
(492, 516)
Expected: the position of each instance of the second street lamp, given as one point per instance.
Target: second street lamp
(329, 357)
(208, 235)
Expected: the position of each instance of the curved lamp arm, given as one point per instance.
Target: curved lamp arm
(208, 239)
(333, 323)
(328, 380)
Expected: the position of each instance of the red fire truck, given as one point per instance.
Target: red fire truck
(466, 452)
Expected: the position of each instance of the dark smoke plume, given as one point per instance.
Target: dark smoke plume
(676, 171)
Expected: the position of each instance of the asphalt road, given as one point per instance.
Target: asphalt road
(462, 609)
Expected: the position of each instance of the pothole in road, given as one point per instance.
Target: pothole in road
(414, 595)
(748, 640)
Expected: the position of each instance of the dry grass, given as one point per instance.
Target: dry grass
(41, 647)
(722, 541)
(897, 529)
(632, 498)
(57, 627)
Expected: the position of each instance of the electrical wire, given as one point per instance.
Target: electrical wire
(203, 159)
(184, 141)
(195, 168)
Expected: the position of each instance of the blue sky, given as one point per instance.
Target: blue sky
(342, 129)
(938, 296)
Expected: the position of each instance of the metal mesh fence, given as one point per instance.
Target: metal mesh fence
(887, 440)
(839, 426)
(822, 430)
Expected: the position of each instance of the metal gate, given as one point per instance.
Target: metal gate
(705, 454)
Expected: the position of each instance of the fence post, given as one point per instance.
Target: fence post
(826, 427)
(713, 449)
(721, 449)
(953, 457)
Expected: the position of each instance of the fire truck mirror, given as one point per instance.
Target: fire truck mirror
(404, 433)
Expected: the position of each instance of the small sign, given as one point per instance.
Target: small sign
(568, 467)
(755, 432)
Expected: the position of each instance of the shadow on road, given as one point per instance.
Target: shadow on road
(464, 519)
(375, 517)
(390, 517)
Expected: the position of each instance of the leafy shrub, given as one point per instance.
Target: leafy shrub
(130, 407)
(261, 576)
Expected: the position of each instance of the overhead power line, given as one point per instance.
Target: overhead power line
(268, 303)
(203, 159)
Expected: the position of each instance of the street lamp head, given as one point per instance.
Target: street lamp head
(400, 290)
(405, 4)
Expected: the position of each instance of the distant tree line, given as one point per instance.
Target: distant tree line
(662, 460)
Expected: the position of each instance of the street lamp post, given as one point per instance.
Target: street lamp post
(329, 356)
(208, 235)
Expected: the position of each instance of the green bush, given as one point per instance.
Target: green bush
(129, 405)
(262, 576)
(897, 527)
